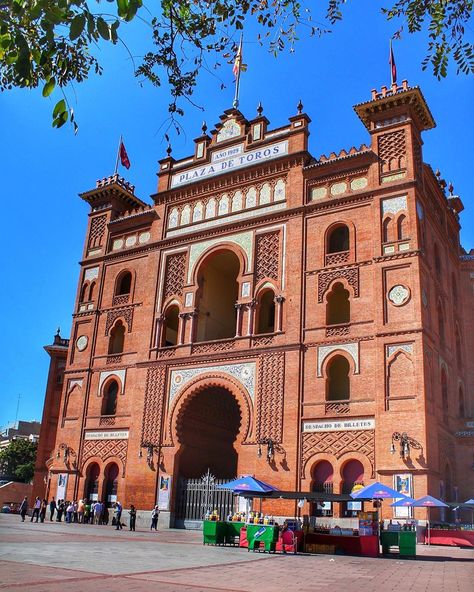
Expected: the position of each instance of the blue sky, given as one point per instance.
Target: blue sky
(43, 169)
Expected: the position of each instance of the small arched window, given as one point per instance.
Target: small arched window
(91, 291)
(124, 284)
(83, 295)
(109, 404)
(338, 239)
(338, 381)
(266, 313)
(402, 227)
(171, 324)
(338, 309)
(437, 259)
(462, 409)
(441, 323)
(117, 338)
(444, 393)
(387, 230)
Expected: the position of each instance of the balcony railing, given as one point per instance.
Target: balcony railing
(337, 258)
(120, 300)
(337, 408)
(337, 330)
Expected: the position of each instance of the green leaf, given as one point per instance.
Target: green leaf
(49, 87)
(103, 28)
(123, 6)
(60, 107)
(77, 26)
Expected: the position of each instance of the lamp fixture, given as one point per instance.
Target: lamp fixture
(406, 442)
(272, 448)
(67, 453)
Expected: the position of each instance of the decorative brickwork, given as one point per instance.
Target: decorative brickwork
(339, 443)
(215, 346)
(337, 331)
(337, 258)
(392, 151)
(325, 278)
(337, 408)
(119, 313)
(97, 231)
(174, 275)
(269, 407)
(267, 255)
(121, 300)
(105, 449)
(154, 403)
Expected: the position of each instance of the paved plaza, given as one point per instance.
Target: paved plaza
(84, 558)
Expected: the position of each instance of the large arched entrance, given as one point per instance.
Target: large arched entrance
(208, 430)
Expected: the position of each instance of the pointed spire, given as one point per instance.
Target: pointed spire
(169, 150)
(299, 107)
(259, 109)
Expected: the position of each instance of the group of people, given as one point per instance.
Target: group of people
(83, 512)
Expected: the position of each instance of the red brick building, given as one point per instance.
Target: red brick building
(306, 320)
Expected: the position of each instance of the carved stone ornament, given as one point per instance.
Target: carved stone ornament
(230, 129)
(399, 295)
(82, 342)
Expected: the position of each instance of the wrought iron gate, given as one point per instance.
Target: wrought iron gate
(195, 497)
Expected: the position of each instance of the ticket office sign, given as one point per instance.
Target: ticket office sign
(363, 423)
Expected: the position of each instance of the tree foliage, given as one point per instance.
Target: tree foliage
(52, 44)
(17, 460)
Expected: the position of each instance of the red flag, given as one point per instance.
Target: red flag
(124, 156)
(393, 66)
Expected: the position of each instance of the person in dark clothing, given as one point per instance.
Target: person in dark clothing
(52, 509)
(133, 517)
(60, 510)
(24, 508)
(118, 516)
(43, 508)
(154, 518)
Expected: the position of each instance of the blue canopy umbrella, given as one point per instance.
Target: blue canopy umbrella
(377, 490)
(428, 501)
(403, 503)
(248, 483)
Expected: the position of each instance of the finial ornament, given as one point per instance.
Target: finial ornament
(438, 174)
(450, 188)
(260, 109)
(204, 127)
(169, 150)
(58, 331)
(299, 107)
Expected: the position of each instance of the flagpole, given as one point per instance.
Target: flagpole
(235, 103)
(118, 153)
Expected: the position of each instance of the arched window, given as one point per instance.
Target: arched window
(83, 295)
(458, 348)
(110, 490)
(117, 338)
(462, 409)
(440, 323)
(91, 489)
(124, 284)
(218, 292)
(266, 313)
(171, 324)
(338, 382)
(437, 259)
(91, 291)
(322, 481)
(109, 403)
(352, 475)
(402, 227)
(444, 393)
(387, 230)
(338, 239)
(338, 309)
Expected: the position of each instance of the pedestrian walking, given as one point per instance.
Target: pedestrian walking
(43, 508)
(87, 511)
(154, 518)
(98, 513)
(52, 509)
(36, 509)
(80, 511)
(118, 516)
(24, 508)
(133, 517)
(75, 512)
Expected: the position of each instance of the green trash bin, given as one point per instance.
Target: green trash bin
(233, 532)
(407, 543)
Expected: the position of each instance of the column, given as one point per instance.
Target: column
(238, 322)
(251, 308)
(193, 316)
(159, 329)
(278, 312)
(182, 326)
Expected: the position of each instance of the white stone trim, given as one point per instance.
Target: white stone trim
(350, 348)
(120, 374)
